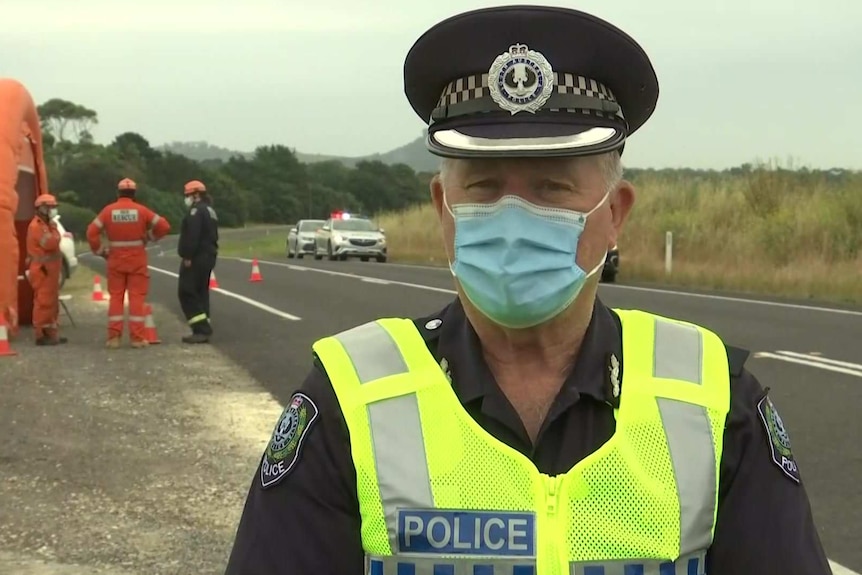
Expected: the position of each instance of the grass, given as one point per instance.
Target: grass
(272, 245)
(764, 230)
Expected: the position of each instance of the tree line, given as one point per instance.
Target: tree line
(272, 186)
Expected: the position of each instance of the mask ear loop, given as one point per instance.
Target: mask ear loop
(601, 263)
(454, 223)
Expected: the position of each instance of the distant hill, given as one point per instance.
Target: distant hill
(413, 154)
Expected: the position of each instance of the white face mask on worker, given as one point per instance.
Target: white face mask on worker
(189, 201)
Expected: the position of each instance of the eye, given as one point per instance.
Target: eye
(556, 186)
(483, 190)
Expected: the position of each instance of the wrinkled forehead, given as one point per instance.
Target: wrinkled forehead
(577, 169)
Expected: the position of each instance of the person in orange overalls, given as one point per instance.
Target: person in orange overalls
(128, 227)
(44, 262)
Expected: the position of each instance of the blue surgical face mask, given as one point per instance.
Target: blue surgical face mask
(516, 261)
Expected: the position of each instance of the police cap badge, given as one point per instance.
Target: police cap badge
(528, 81)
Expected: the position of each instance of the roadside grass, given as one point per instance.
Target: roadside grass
(763, 231)
(766, 230)
(271, 246)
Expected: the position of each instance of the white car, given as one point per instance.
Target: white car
(67, 248)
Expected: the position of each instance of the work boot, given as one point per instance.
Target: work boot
(140, 343)
(113, 343)
(196, 338)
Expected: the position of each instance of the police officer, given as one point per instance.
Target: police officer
(198, 248)
(527, 427)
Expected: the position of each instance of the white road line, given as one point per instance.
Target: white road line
(737, 299)
(349, 275)
(604, 285)
(820, 358)
(840, 569)
(811, 362)
(242, 298)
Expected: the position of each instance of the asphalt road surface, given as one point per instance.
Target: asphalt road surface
(809, 356)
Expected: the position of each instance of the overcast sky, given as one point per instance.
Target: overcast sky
(740, 81)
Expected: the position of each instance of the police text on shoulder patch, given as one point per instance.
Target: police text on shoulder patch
(285, 444)
(779, 439)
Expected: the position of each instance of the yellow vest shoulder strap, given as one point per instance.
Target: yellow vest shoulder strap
(676, 359)
(372, 361)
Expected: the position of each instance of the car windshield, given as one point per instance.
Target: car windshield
(354, 225)
(310, 225)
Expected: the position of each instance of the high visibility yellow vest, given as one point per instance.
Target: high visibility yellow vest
(441, 496)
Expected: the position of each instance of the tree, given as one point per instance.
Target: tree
(58, 115)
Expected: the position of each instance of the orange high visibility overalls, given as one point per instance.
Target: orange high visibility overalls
(44, 263)
(128, 227)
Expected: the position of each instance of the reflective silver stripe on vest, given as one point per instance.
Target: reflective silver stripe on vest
(126, 244)
(679, 355)
(678, 352)
(156, 219)
(399, 449)
(404, 565)
(98, 223)
(396, 431)
(692, 564)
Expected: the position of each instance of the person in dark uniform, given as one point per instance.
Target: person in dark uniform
(198, 248)
(527, 427)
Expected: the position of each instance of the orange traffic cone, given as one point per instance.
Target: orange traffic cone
(255, 272)
(97, 289)
(150, 333)
(5, 348)
(213, 281)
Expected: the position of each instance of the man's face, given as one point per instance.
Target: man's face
(577, 184)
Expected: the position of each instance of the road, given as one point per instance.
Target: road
(808, 356)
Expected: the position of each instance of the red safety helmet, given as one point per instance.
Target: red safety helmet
(46, 200)
(127, 184)
(194, 187)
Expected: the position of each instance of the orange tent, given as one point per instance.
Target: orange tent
(22, 178)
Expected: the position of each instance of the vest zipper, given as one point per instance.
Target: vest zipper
(556, 534)
(553, 485)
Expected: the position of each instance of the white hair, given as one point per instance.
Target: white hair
(609, 163)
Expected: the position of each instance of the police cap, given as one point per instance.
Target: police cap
(528, 81)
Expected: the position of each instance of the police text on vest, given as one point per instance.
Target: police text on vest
(486, 533)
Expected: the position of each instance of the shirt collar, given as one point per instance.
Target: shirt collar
(456, 346)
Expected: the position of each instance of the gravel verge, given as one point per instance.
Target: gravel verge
(124, 462)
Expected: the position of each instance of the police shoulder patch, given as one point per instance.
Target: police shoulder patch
(779, 439)
(284, 446)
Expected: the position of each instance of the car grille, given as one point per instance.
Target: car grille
(362, 242)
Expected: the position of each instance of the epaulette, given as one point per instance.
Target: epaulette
(736, 358)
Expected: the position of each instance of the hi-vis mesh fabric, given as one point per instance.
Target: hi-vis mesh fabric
(649, 493)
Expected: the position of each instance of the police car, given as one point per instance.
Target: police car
(300, 238)
(345, 235)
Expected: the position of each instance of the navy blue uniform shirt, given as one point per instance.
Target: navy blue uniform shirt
(309, 523)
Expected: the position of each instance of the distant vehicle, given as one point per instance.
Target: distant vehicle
(67, 248)
(346, 235)
(612, 265)
(300, 239)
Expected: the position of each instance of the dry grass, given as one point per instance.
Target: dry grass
(765, 230)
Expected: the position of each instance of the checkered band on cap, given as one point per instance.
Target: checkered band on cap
(572, 93)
